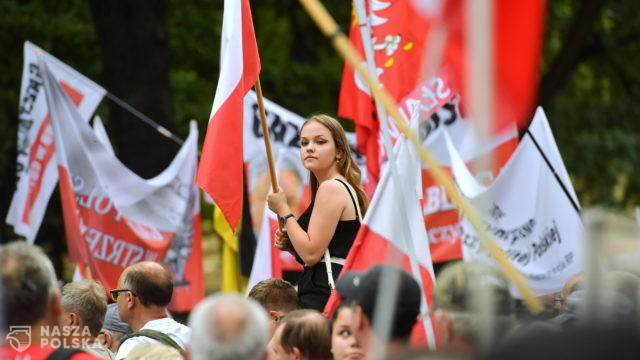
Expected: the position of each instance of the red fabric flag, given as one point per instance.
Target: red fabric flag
(220, 168)
(517, 42)
(397, 37)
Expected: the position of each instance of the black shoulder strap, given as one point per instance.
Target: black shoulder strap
(63, 353)
(155, 335)
(353, 200)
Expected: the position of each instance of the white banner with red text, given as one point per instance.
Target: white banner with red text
(113, 218)
(36, 173)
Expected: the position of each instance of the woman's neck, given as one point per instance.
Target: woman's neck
(326, 175)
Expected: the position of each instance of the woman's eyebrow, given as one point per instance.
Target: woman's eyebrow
(314, 136)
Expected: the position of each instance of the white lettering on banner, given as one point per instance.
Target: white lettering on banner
(443, 234)
(97, 201)
(106, 248)
(145, 232)
(426, 98)
(436, 200)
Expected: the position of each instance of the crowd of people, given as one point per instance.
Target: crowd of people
(472, 312)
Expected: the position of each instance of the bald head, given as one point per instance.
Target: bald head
(150, 282)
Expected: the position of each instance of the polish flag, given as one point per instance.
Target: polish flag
(220, 168)
(390, 234)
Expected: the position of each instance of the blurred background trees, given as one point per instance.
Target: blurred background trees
(162, 57)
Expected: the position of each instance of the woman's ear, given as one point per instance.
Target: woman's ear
(297, 353)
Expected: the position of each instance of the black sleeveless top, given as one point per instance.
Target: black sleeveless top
(313, 286)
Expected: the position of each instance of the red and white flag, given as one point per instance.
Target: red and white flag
(36, 173)
(113, 218)
(384, 235)
(220, 169)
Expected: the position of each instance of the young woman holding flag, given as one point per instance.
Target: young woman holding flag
(322, 236)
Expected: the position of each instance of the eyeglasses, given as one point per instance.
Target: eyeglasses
(114, 293)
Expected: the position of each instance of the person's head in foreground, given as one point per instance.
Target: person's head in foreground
(466, 296)
(302, 334)
(277, 296)
(344, 344)
(364, 291)
(226, 327)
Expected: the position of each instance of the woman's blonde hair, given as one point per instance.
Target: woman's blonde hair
(346, 165)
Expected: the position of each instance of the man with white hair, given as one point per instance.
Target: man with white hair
(226, 327)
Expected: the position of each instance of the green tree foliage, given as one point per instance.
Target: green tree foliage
(594, 113)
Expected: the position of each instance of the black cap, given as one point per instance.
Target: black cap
(362, 287)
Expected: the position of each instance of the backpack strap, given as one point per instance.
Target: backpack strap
(155, 335)
(63, 353)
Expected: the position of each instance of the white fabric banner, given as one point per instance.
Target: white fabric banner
(527, 212)
(113, 217)
(36, 174)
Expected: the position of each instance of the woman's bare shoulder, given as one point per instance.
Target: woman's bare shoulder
(331, 188)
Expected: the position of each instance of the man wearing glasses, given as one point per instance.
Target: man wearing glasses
(143, 294)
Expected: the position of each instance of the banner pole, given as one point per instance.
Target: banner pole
(383, 318)
(267, 143)
(331, 29)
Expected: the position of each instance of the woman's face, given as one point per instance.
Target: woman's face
(317, 147)
(344, 344)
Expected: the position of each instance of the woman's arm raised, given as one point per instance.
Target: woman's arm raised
(328, 207)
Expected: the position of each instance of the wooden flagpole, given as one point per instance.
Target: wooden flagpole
(267, 143)
(331, 29)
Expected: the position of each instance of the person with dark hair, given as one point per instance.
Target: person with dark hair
(277, 296)
(32, 305)
(362, 292)
(302, 334)
(143, 294)
(84, 304)
(322, 237)
(344, 344)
